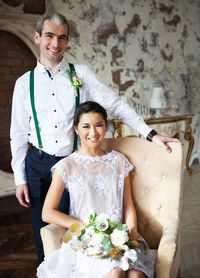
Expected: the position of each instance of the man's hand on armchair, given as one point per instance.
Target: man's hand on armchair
(162, 141)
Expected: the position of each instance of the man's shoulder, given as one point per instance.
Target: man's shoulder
(83, 70)
(24, 78)
(80, 67)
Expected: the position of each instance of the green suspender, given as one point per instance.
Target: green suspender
(33, 109)
(72, 69)
(77, 101)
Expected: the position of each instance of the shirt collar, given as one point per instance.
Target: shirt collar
(60, 68)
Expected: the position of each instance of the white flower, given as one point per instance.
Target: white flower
(128, 259)
(102, 222)
(118, 237)
(86, 237)
(124, 247)
(131, 254)
(90, 251)
(97, 239)
(124, 265)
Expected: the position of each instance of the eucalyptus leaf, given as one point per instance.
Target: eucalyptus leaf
(107, 245)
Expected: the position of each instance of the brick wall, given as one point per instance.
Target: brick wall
(15, 59)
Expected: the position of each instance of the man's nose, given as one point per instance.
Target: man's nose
(55, 42)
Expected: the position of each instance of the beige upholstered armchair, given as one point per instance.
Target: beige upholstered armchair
(157, 194)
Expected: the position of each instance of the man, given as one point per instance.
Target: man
(54, 100)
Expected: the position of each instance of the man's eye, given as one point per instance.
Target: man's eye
(85, 126)
(63, 38)
(99, 125)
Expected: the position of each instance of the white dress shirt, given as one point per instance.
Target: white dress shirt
(55, 106)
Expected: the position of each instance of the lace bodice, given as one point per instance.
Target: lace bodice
(95, 184)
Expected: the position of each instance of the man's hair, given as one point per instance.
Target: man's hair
(54, 17)
(87, 107)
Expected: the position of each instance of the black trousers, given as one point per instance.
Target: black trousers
(38, 165)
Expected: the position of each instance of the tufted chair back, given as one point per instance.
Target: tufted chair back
(157, 194)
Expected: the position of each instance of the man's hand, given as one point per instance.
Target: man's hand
(22, 195)
(163, 140)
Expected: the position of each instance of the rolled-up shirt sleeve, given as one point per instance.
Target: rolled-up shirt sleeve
(19, 133)
(116, 107)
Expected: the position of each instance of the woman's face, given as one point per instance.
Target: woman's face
(91, 129)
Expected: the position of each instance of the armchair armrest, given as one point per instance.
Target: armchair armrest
(168, 254)
(52, 237)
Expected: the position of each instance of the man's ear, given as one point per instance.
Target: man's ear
(67, 43)
(36, 37)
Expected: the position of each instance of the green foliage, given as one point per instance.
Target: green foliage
(107, 245)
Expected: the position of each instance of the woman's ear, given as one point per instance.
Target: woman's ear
(76, 130)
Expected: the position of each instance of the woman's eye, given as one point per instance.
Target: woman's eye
(99, 125)
(86, 126)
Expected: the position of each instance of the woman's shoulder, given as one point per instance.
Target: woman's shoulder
(64, 162)
(64, 167)
(123, 160)
(118, 154)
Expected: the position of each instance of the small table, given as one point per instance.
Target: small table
(166, 125)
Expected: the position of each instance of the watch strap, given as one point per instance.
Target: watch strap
(151, 134)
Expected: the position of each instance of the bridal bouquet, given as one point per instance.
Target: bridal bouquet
(104, 238)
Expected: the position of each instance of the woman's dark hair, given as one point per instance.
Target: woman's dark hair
(87, 107)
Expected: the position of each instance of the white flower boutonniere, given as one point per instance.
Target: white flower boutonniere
(76, 83)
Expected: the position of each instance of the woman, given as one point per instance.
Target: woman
(98, 182)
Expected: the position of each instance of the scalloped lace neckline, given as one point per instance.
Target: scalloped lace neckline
(106, 156)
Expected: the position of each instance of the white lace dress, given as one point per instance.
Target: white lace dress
(95, 184)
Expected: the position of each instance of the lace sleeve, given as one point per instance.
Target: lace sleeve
(127, 167)
(59, 166)
(124, 166)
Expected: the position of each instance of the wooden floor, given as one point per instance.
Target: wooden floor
(17, 253)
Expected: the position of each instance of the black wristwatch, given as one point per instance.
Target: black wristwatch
(151, 135)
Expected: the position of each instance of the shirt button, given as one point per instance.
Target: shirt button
(56, 141)
(51, 78)
(54, 110)
(56, 126)
(53, 94)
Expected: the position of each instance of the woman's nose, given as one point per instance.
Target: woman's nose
(93, 131)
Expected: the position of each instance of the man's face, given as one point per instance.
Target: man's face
(53, 42)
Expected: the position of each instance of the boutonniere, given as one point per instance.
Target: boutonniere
(76, 83)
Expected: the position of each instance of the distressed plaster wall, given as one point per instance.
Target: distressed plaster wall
(133, 45)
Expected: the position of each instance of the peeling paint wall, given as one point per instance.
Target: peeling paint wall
(133, 45)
